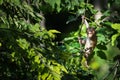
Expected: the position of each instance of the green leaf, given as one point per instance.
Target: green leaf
(69, 38)
(56, 69)
(114, 38)
(27, 7)
(64, 69)
(38, 17)
(0, 44)
(37, 59)
(58, 5)
(116, 27)
(23, 43)
(31, 52)
(49, 77)
(32, 14)
(106, 13)
(35, 28)
(1, 1)
(53, 3)
(107, 23)
(102, 47)
(53, 31)
(44, 76)
(101, 38)
(101, 54)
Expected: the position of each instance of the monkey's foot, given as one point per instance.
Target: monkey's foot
(86, 64)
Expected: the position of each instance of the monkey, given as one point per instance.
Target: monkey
(89, 43)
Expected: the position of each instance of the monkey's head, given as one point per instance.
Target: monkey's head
(90, 32)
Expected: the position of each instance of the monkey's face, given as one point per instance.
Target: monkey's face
(90, 32)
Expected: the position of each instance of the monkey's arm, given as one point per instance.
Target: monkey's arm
(90, 42)
(85, 21)
(81, 41)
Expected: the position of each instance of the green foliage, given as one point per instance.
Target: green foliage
(30, 52)
(114, 37)
(54, 3)
(26, 48)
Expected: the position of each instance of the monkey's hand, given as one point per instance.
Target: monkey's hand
(87, 52)
(81, 41)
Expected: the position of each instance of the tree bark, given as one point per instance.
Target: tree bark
(100, 5)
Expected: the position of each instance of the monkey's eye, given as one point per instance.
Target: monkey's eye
(90, 32)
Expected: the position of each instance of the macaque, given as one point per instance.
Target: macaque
(90, 42)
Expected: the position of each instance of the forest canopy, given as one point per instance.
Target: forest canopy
(39, 39)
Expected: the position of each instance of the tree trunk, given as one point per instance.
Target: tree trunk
(100, 5)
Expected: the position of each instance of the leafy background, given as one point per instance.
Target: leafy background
(32, 51)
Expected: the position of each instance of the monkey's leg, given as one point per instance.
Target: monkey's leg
(87, 54)
(86, 64)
